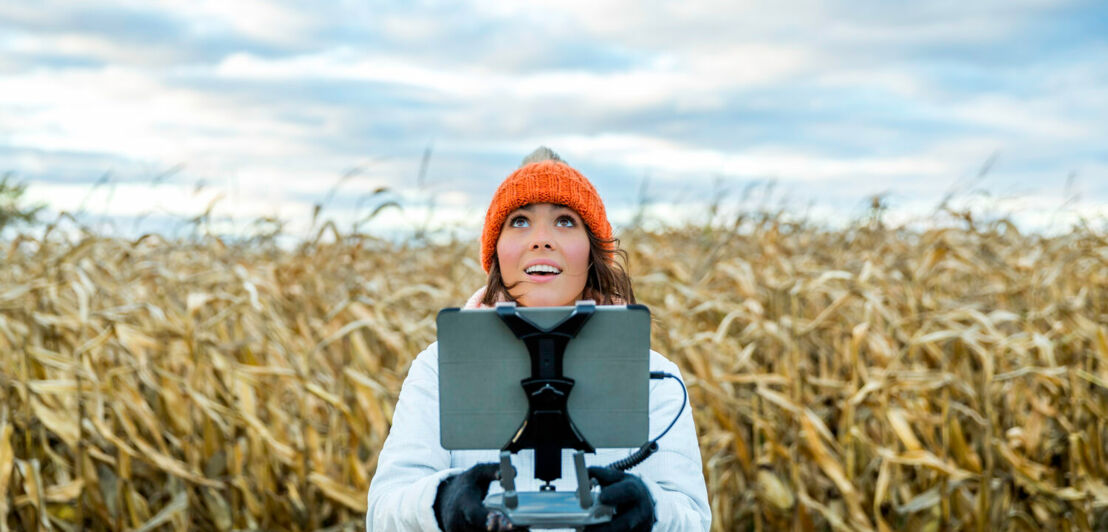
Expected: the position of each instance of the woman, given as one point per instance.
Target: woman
(546, 242)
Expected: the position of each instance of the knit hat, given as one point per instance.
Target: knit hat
(548, 180)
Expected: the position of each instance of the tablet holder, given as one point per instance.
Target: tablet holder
(547, 429)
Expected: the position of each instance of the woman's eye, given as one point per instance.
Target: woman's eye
(518, 221)
(565, 221)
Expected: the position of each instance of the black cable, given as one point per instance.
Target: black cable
(651, 446)
(636, 457)
(684, 398)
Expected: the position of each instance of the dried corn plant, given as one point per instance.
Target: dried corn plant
(858, 379)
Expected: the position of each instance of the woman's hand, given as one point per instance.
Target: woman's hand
(459, 506)
(630, 498)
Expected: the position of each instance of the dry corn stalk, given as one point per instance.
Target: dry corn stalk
(856, 379)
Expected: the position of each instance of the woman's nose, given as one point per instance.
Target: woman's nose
(541, 238)
(542, 241)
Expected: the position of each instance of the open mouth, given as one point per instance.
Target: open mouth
(542, 270)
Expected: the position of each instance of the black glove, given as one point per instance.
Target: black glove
(628, 495)
(459, 506)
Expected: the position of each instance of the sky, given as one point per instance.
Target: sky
(138, 116)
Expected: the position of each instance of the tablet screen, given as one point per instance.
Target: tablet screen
(481, 364)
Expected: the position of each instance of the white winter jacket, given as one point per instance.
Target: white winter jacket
(412, 463)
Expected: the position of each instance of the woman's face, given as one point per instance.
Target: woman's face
(544, 248)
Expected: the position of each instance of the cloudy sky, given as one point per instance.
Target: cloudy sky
(138, 114)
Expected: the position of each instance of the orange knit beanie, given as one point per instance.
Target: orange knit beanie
(548, 181)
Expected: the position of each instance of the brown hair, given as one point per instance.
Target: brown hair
(607, 283)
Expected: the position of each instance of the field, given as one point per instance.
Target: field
(866, 378)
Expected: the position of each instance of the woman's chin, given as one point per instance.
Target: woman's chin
(546, 300)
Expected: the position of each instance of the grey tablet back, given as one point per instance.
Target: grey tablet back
(481, 403)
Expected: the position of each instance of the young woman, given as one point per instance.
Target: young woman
(546, 242)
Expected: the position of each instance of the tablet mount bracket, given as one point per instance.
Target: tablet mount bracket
(548, 429)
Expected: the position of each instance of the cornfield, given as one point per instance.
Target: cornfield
(864, 378)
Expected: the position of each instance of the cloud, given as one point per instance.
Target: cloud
(274, 100)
